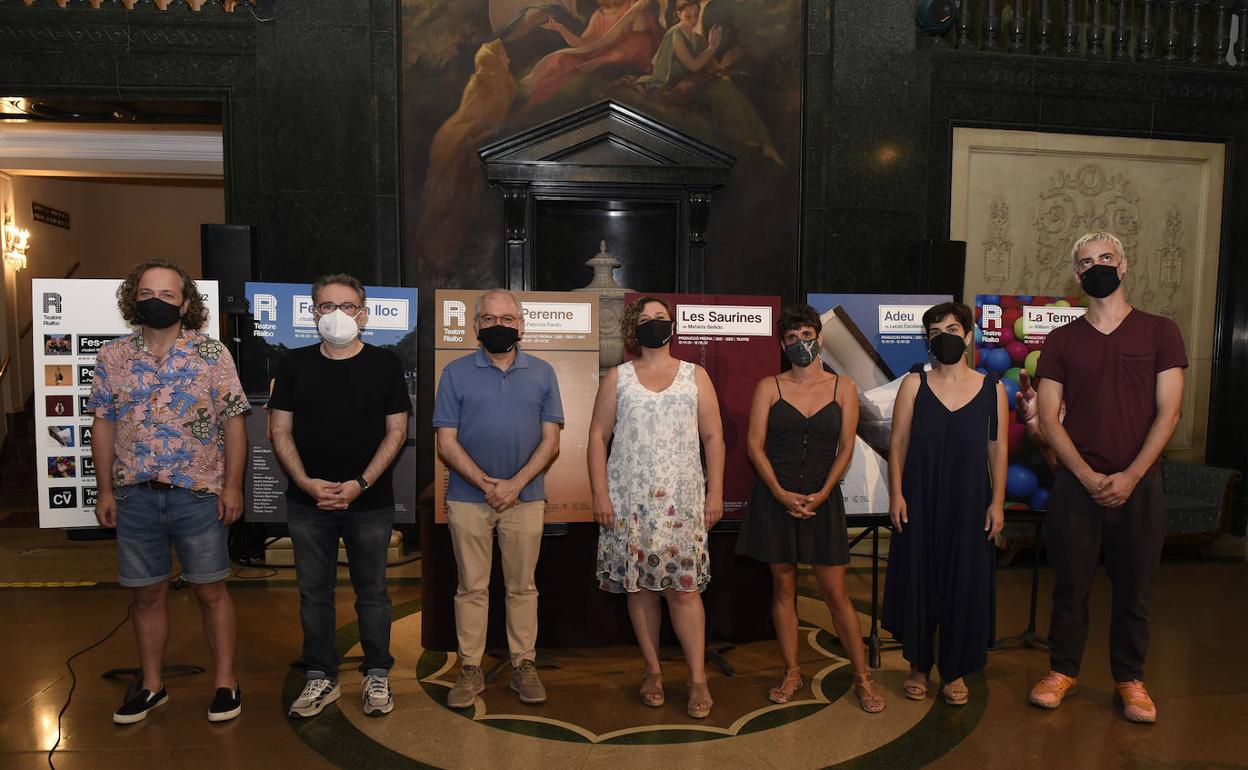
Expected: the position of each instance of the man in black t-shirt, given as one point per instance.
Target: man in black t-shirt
(338, 415)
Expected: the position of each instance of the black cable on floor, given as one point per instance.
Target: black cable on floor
(73, 680)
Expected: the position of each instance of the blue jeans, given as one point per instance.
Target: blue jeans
(315, 534)
(149, 519)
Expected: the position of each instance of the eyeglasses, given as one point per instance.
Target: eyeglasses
(350, 308)
(505, 320)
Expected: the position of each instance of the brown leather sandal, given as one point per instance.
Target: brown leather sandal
(700, 702)
(913, 688)
(790, 683)
(956, 694)
(864, 687)
(652, 690)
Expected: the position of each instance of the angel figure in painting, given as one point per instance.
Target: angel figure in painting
(685, 68)
(621, 34)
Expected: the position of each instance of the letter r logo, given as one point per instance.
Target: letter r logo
(454, 313)
(52, 302)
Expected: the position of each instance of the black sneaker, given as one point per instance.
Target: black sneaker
(226, 704)
(137, 708)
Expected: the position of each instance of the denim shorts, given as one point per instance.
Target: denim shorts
(148, 520)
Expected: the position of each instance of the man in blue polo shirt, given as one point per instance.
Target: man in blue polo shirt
(497, 418)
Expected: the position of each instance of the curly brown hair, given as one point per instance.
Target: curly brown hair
(196, 313)
(628, 321)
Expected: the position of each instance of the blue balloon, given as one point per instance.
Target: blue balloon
(1011, 390)
(981, 370)
(1023, 298)
(1039, 500)
(996, 360)
(979, 334)
(989, 299)
(1020, 482)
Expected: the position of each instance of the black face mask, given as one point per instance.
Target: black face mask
(947, 348)
(654, 333)
(155, 313)
(1100, 281)
(498, 338)
(801, 352)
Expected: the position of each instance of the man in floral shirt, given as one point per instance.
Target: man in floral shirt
(170, 444)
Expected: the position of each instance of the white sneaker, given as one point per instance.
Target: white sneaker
(316, 695)
(377, 698)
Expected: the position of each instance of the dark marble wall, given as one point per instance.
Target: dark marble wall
(309, 104)
(313, 147)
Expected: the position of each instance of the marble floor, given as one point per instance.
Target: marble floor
(57, 596)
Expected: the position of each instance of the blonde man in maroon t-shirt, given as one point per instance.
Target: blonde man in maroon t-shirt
(1118, 371)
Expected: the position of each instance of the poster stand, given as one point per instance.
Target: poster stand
(1029, 636)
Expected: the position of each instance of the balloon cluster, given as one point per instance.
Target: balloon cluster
(1007, 350)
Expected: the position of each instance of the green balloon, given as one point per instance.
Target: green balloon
(1029, 363)
(1019, 332)
(1011, 374)
(1061, 303)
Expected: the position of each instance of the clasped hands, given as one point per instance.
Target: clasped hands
(1112, 490)
(500, 494)
(798, 505)
(332, 495)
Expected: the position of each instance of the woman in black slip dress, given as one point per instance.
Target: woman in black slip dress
(946, 468)
(801, 439)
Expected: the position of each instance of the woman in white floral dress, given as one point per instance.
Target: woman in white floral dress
(651, 499)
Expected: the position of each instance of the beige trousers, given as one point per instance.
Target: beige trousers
(519, 539)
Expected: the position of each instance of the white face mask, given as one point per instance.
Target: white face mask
(338, 328)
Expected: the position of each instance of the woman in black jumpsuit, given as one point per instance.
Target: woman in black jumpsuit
(947, 465)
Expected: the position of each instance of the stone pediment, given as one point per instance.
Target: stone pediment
(606, 143)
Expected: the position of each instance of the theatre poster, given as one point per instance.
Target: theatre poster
(73, 319)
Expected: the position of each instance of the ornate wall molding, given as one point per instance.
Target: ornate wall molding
(1084, 78)
(27, 31)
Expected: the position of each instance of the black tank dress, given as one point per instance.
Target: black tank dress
(801, 450)
(940, 566)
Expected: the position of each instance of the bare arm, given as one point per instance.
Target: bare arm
(898, 447)
(998, 460)
(387, 450)
(454, 455)
(1169, 393)
(1049, 398)
(569, 37)
(711, 430)
(230, 502)
(696, 63)
(612, 35)
(601, 426)
(280, 427)
(847, 397)
(103, 433)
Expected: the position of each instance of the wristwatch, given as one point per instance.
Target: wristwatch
(363, 484)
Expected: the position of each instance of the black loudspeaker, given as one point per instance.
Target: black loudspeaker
(938, 267)
(230, 255)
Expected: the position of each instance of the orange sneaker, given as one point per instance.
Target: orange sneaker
(1136, 705)
(1050, 691)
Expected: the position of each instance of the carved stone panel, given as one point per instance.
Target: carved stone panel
(1020, 199)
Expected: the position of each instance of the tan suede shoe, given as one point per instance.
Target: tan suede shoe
(1136, 705)
(1050, 691)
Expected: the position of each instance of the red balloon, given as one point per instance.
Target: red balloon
(1009, 301)
(1007, 336)
(1016, 436)
(1017, 351)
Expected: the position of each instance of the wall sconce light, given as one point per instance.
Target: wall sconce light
(15, 242)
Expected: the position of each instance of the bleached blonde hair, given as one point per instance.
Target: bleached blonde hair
(1103, 235)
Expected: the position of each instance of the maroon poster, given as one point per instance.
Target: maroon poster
(733, 337)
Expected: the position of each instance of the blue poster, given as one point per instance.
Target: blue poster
(281, 320)
(875, 338)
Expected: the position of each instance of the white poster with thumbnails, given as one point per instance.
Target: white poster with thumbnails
(73, 318)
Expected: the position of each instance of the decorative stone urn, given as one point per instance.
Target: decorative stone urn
(610, 307)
